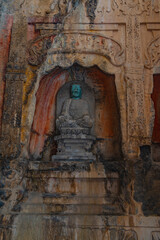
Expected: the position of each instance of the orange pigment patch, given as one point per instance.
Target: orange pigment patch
(44, 118)
(106, 123)
(27, 96)
(5, 37)
(31, 33)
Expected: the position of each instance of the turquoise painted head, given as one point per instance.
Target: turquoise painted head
(76, 91)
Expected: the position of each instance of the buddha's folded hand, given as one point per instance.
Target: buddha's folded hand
(85, 121)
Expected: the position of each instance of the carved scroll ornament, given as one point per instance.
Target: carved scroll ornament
(153, 53)
(73, 43)
(37, 49)
(82, 43)
(132, 7)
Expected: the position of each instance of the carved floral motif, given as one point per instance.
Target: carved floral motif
(153, 53)
(82, 43)
(132, 7)
(137, 40)
(38, 48)
(71, 43)
(136, 121)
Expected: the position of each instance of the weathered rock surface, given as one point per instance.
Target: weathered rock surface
(114, 47)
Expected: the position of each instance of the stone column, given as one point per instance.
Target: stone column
(134, 71)
(11, 120)
(135, 108)
(14, 77)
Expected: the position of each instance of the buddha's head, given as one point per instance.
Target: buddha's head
(76, 91)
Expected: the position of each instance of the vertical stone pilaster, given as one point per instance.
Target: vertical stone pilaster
(6, 22)
(12, 110)
(135, 105)
(133, 48)
(14, 77)
(129, 39)
(134, 72)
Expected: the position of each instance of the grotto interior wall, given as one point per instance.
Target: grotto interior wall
(107, 125)
(116, 46)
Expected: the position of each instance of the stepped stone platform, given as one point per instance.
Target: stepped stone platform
(62, 204)
(75, 187)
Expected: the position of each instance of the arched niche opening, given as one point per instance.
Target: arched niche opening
(156, 128)
(107, 117)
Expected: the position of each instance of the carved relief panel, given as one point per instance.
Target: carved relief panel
(155, 235)
(121, 234)
(63, 44)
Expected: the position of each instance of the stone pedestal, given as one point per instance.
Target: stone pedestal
(73, 147)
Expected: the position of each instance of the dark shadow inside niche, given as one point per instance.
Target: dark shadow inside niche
(156, 128)
(107, 117)
(147, 171)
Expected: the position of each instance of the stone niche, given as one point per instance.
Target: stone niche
(100, 93)
(156, 129)
(74, 197)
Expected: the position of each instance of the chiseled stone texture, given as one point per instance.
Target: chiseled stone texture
(112, 46)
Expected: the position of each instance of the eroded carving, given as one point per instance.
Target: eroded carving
(132, 7)
(82, 43)
(135, 85)
(133, 36)
(153, 53)
(91, 7)
(74, 124)
(129, 7)
(71, 43)
(127, 235)
(63, 7)
(155, 235)
(137, 40)
(38, 48)
(75, 117)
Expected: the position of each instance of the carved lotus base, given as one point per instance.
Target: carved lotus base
(74, 148)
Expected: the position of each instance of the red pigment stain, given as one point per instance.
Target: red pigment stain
(156, 100)
(5, 38)
(106, 123)
(44, 118)
(31, 33)
(106, 109)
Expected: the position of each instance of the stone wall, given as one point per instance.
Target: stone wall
(114, 46)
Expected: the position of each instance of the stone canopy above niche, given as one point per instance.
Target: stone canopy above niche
(70, 47)
(66, 44)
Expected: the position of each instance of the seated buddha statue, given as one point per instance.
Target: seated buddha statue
(75, 116)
